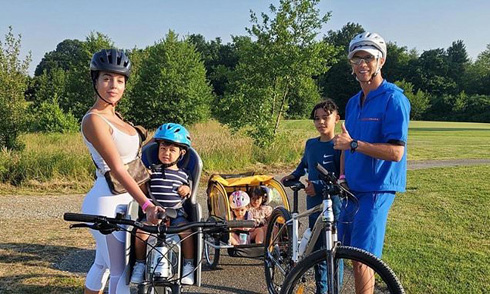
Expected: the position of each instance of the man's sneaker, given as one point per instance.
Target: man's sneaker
(138, 273)
(187, 274)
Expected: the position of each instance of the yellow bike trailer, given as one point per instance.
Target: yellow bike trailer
(220, 186)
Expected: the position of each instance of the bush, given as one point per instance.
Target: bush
(49, 118)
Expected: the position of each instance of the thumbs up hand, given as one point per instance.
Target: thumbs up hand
(344, 129)
(342, 140)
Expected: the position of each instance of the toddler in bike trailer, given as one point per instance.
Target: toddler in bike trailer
(320, 150)
(260, 211)
(169, 186)
(239, 205)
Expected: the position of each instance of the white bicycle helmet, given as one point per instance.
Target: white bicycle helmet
(239, 199)
(369, 42)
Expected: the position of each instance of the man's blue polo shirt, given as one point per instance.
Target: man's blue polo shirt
(382, 118)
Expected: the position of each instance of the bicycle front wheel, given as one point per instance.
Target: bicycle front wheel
(377, 276)
(278, 249)
(211, 254)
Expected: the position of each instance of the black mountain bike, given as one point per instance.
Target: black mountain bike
(163, 260)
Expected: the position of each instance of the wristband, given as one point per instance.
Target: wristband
(145, 205)
(342, 177)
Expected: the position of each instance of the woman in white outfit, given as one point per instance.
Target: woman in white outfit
(112, 143)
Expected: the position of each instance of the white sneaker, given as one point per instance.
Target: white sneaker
(187, 274)
(138, 273)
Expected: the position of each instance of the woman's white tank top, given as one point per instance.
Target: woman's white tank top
(126, 145)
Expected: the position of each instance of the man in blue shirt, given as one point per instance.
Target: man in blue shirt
(373, 139)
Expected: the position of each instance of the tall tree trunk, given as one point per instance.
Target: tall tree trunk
(278, 118)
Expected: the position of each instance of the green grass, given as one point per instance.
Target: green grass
(438, 239)
(427, 140)
(448, 140)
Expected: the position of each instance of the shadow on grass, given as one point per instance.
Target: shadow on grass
(65, 258)
(26, 268)
(19, 284)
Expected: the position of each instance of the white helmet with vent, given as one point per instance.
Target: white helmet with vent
(369, 42)
(239, 199)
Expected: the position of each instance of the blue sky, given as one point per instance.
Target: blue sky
(420, 24)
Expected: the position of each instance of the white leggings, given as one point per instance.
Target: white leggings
(109, 249)
(106, 259)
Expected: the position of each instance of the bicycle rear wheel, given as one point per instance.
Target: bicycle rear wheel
(278, 249)
(380, 280)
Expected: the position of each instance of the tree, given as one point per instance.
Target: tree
(431, 73)
(13, 84)
(47, 115)
(458, 63)
(338, 83)
(172, 85)
(79, 92)
(72, 57)
(65, 56)
(419, 100)
(477, 76)
(397, 65)
(276, 67)
(220, 60)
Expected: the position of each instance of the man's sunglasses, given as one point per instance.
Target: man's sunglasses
(358, 60)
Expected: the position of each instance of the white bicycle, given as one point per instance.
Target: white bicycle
(287, 270)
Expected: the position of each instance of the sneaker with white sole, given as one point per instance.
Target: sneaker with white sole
(187, 274)
(138, 273)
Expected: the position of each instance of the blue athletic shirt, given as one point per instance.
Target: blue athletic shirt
(383, 118)
(323, 153)
(164, 184)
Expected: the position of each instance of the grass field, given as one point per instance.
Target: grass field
(438, 239)
(427, 140)
(61, 163)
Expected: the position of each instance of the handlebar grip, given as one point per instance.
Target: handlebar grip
(325, 174)
(240, 223)
(78, 217)
(293, 184)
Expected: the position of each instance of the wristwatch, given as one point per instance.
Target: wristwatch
(353, 145)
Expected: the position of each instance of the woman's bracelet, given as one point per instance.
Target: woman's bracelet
(145, 205)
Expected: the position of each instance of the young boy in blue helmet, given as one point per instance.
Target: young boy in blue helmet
(170, 187)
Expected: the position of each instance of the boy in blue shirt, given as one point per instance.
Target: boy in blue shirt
(320, 150)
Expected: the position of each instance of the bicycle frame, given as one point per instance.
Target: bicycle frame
(324, 222)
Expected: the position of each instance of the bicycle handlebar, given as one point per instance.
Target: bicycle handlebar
(330, 179)
(295, 185)
(103, 222)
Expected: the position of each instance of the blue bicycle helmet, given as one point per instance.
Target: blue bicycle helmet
(173, 133)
